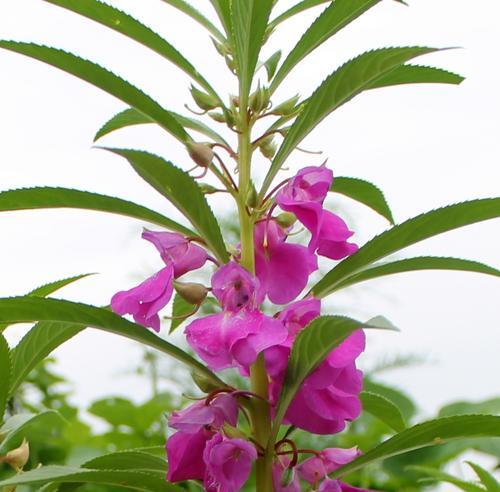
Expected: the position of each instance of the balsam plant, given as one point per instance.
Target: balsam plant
(301, 365)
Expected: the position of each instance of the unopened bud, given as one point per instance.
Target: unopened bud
(286, 219)
(207, 189)
(18, 457)
(230, 64)
(202, 154)
(287, 107)
(252, 196)
(222, 49)
(191, 292)
(267, 147)
(259, 100)
(287, 477)
(203, 100)
(205, 384)
(216, 116)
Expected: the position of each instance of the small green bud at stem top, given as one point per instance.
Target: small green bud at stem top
(286, 219)
(267, 147)
(203, 383)
(259, 100)
(18, 457)
(202, 154)
(252, 196)
(208, 189)
(203, 100)
(287, 108)
(191, 292)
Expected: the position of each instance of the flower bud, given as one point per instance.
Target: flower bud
(222, 48)
(191, 292)
(267, 147)
(218, 117)
(287, 107)
(202, 154)
(286, 219)
(18, 457)
(203, 100)
(252, 196)
(207, 189)
(230, 64)
(288, 477)
(205, 384)
(259, 100)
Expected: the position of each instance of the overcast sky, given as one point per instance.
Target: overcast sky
(425, 146)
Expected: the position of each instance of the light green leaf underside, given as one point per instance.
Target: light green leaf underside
(125, 24)
(182, 191)
(31, 309)
(410, 232)
(41, 198)
(427, 434)
(364, 192)
(103, 79)
(383, 409)
(417, 264)
(348, 81)
(335, 17)
(135, 480)
(131, 117)
(6, 374)
(433, 475)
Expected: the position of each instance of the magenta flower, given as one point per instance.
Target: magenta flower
(280, 480)
(236, 288)
(318, 467)
(228, 463)
(304, 195)
(333, 235)
(178, 250)
(229, 339)
(330, 485)
(223, 408)
(282, 268)
(185, 456)
(144, 301)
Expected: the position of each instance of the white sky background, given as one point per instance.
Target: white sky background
(425, 146)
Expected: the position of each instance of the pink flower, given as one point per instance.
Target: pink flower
(236, 288)
(281, 482)
(185, 456)
(304, 195)
(318, 467)
(282, 268)
(228, 339)
(145, 300)
(223, 408)
(176, 249)
(228, 463)
(333, 235)
(329, 485)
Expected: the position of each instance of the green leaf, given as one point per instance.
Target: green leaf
(116, 411)
(180, 308)
(223, 9)
(182, 191)
(131, 117)
(271, 64)
(296, 9)
(491, 406)
(416, 264)
(351, 79)
(123, 23)
(47, 289)
(418, 74)
(439, 476)
(6, 372)
(30, 309)
(103, 79)
(36, 345)
(22, 426)
(335, 17)
(129, 460)
(197, 16)
(364, 192)
(400, 399)
(487, 479)
(383, 409)
(410, 232)
(127, 479)
(249, 22)
(431, 433)
(36, 198)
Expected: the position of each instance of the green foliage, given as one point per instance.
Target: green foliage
(382, 408)
(6, 372)
(433, 475)
(487, 479)
(418, 74)
(180, 309)
(365, 193)
(410, 232)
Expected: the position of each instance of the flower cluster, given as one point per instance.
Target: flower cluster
(207, 444)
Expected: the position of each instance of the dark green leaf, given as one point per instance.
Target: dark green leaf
(410, 232)
(51, 287)
(180, 308)
(37, 344)
(249, 22)
(271, 64)
(400, 399)
(431, 433)
(416, 264)
(365, 193)
(335, 17)
(30, 309)
(36, 198)
(131, 117)
(297, 9)
(351, 79)
(491, 406)
(418, 74)
(182, 191)
(129, 460)
(127, 479)
(382, 408)
(125, 24)
(439, 476)
(103, 79)
(116, 411)
(487, 479)
(223, 9)
(6, 373)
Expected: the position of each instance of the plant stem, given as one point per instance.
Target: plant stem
(260, 414)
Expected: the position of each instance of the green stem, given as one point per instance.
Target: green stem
(260, 415)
